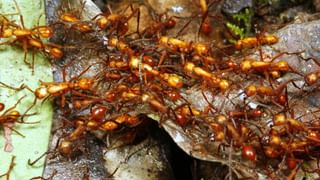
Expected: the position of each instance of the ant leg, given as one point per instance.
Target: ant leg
(48, 178)
(16, 131)
(204, 20)
(138, 21)
(31, 163)
(32, 64)
(32, 105)
(183, 28)
(209, 103)
(109, 8)
(22, 86)
(7, 174)
(22, 22)
(14, 106)
(16, 4)
(64, 69)
(162, 57)
(83, 72)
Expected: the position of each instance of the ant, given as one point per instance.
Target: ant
(171, 80)
(175, 45)
(191, 69)
(11, 116)
(205, 23)
(76, 23)
(59, 89)
(225, 129)
(158, 27)
(256, 113)
(253, 65)
(154, 102)
(280, 97)
(70, 17)
(96, 121)
(183, 112)
(118, 22)
(251, 42)
(66, 146)
(29, 38)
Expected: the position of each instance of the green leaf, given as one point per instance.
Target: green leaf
(15, 72)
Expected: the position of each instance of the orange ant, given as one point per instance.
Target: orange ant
(11, 116)
(183, 113)
(171, 80)
(224, 129)
(119, 45)
(251, 42)
(283, 126)
(117, 22)
(56, 89)
(7, 174)
(29, 38)
(205, 23)
(48, 89)
(191, 69)
(97, 121)
(256, 113)
(75, 22)
(158, 28)
(154, 102)
(249, 65)
(175, 45)
(277, 92)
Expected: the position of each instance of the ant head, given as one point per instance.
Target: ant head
(65, 148)
(251, 90)
(109, 126)
(102, 22)
(224, 84)
(56, 52)
(282, 66)
(249, 152)
(68, 17)
(246, 65)
(311, 78)
(201, 48)
(7, 33)
(175, 81)
(14, 114)
(221, 119)
(41, 92)
(45, 32)
(170, 23)
(98, 113)
(206, 27)
(85, 84)
(279, 119)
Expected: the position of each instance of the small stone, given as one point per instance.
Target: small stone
(234, 6)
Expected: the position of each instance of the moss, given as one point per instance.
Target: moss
(242, 23)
